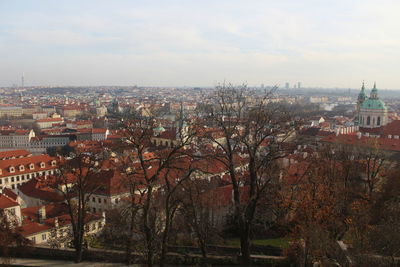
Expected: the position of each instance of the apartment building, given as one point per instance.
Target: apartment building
(16, 171)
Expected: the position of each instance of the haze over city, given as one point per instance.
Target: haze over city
(199, 133)
(200, 43)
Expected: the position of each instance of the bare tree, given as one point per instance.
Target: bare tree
(76, 181)
(196, 210)
(250, 130)
(159, 177)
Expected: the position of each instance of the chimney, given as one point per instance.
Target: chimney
(42, 214)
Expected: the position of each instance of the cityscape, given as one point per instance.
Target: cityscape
(241, 144)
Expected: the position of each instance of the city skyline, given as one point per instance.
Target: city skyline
(190, 43)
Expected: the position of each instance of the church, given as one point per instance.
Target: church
(372, 112)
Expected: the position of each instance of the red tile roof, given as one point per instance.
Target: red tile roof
(26, 161)
(31, 214)
(34, 227)
(9, 193)
(14, 153)
(392, 128)
(6, 202)
(14, 132)
(389, 144)
(40, 190)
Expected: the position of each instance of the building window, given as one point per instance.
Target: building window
(368, 120)
(378, 121)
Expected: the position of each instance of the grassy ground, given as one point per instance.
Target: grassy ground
(275, 242)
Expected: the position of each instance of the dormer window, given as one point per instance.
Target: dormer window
(21, 168)
(31, 166)
(53, 163)
(12, 169)
(42, 165)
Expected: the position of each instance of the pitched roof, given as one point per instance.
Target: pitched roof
(36, 188)
(26, 161)
(31, 214)
(6, 202)
(392, 128)
(14, 153)
(10, 194)
(389, 144)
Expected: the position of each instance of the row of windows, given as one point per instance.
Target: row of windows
(99, 200)
(31, 166)
(24, 177)
(378, 121)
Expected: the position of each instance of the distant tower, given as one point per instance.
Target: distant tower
(22, 80)
(361, 98)
(372, 111)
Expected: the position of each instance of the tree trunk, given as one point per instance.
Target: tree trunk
(203, 246)
(150, 257)
(149, 234)
(244, 242)
(129, 240)
(165, 233)
(78, 253)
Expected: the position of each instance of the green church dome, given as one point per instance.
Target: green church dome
(373, 104)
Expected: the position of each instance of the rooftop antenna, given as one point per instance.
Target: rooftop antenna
(22, 80)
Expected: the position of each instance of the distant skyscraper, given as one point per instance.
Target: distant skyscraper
(299, 85)
(287, 85)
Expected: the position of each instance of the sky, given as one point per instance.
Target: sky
(321, 43)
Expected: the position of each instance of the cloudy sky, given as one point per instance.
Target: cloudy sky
(200, 43)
